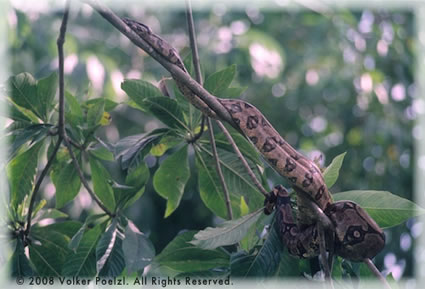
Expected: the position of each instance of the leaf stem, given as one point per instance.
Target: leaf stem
(243, 160)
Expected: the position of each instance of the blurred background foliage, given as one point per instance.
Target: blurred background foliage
(329, 82)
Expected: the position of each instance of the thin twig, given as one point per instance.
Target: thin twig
(219, 171)
(243, 160)
(84, 181)
(38, 184)
(198, 76)
(60, 41)
(62, 132)
(376, 272)
(193, 44)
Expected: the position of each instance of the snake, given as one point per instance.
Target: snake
(356, 236)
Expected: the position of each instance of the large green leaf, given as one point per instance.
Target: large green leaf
(133, 149)
(21, 172)
(138, 249)
(46, 91)
(67, 228)
(109, 254)
(332, 171)
(385, 208)
(73, 111)
(24, 92)
(67, 183)
(219, 81)
(48, 251)
(95, 113)
(83, 262)
(227, 233)
(166, 110)
(20, 265)
(246, 148)
(138, 90)
(35, 133)
(237, 179)
(180, 256)
(135, 180)
(265, 262)
(101, 183)
(171, 177)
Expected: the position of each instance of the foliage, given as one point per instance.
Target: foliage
(168, 162)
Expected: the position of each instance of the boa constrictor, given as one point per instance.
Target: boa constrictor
(356, 235)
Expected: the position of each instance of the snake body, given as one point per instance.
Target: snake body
(356, 235)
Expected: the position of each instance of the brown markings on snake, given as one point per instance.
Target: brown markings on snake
(268, 145)
(252, 122)
(290, 165)
(254, 139)
(308, 180)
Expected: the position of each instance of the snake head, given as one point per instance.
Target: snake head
(357, 236)
(271, 198)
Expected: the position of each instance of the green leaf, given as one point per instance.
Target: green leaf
(219, 81)
(101, 184)
(21, 172)
(109, 104)
(138, 90)
(227, 233)
(166, 110)
(73, 111)
(109, 253)
(265, 262)
(35, 133)
(49, 253)
(20, 264)
(246, 148)
(171, 177)
(46, 91)
(67, 228)
(332, 171)
(180, 256)
(386, 209)
(138, 249)
(79, 233)
(49, 214)
(102, 153)
(233, 92)
(237, 180)
(83, 262)
(95, 113)
(136, 179)
(67, 183)
(133, 149)
(24, 92)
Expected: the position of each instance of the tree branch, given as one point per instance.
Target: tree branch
(38, 184)
(175, 71)
(61, 126)
(376, 272)
(198, 75)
